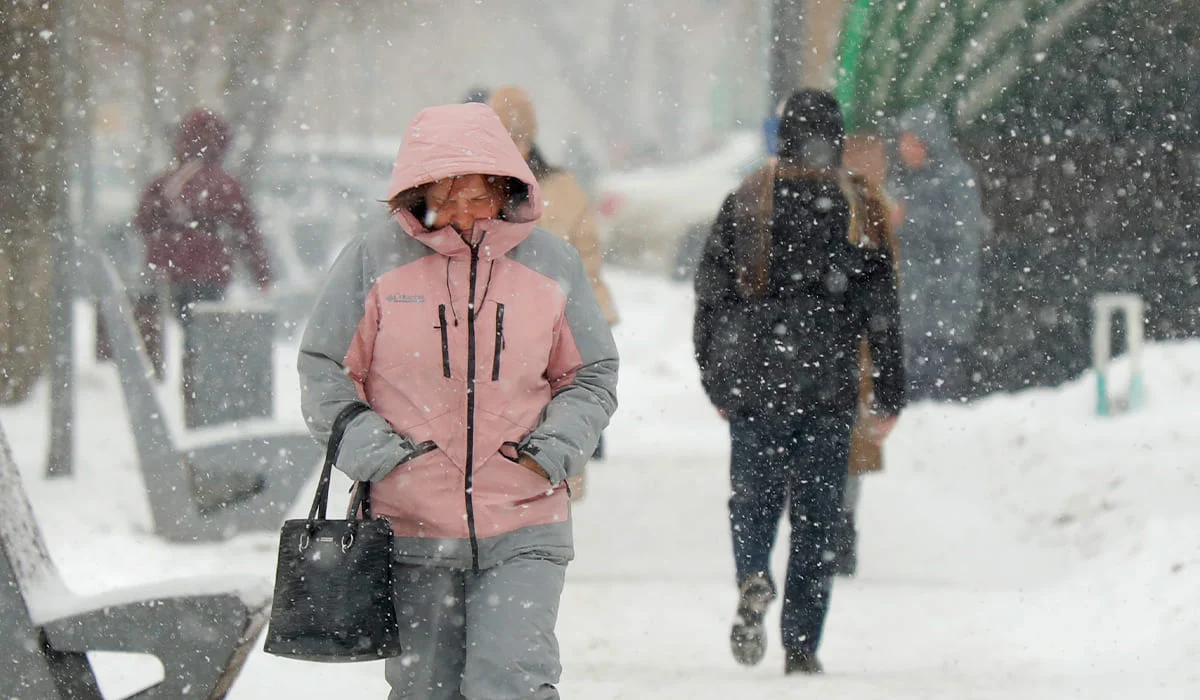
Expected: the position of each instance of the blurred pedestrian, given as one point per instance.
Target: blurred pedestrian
(195, 217)
(866, 456)
(940, 224)
(566, 210)
(786, 288)
(480, 348)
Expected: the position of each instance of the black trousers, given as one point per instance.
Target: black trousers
(799, 464)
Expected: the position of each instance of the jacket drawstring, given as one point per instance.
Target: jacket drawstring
(487, 285)
(450, 294)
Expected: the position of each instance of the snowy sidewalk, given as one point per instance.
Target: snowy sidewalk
(1014, 548)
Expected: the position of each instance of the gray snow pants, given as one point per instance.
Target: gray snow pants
(474, 635)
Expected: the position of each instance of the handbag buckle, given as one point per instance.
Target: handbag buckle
(304, 540)
(347, 541)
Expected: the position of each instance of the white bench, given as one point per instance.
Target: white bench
(206, 484)
(200, 631)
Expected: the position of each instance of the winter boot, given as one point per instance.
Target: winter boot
(845, 557)
(802, 662)
(748, 638)
(846, 563)
(845, 548)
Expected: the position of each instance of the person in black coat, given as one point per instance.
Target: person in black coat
(786, 289)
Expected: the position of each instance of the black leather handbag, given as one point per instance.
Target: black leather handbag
(333, 579)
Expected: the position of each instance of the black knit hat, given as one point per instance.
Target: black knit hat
(811, 127)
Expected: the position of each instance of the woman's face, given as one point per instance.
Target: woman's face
(461, 201)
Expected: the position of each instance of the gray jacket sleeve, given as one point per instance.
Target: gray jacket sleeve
(370, 448)
(567, 435)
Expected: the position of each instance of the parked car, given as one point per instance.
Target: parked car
(656, 218)
(313, 198)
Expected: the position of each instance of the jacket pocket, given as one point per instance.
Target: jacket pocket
(511, 451)
(445, 340)
(499, 342)
(419, 449)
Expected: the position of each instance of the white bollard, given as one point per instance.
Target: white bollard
(1104, 306)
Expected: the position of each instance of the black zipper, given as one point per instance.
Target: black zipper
(445, 340)
(499, 342)
(470, 477)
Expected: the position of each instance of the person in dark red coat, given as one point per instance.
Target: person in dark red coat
(195, 217)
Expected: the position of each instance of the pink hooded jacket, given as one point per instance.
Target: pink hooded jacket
(461, 350)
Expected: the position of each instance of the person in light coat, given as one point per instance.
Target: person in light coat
(566, 210)
(940, 225)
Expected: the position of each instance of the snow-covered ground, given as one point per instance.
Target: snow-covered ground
(1018, 547)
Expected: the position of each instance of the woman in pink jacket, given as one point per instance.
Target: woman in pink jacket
(480, 347)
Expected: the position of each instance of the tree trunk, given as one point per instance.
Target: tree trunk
(787, 49)
(606, 90)
(822, 35)
(142, 26)
(262, 72)
(32, 201)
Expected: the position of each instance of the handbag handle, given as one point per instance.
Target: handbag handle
(321, 499)
(360, 502)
